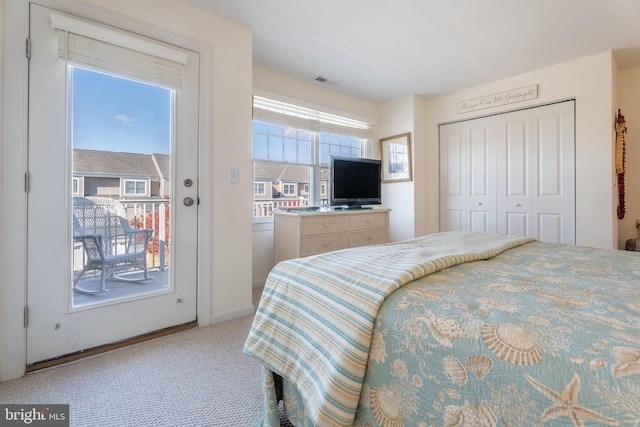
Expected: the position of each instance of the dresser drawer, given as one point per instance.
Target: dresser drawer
(372, 237)
(324, 224)
(369, 220)
(321, 244)
(300, 234)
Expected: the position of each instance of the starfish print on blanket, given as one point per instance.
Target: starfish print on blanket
(566, 404)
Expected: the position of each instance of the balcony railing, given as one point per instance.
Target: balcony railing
(147, 214)
(152, 214)
(265, 208)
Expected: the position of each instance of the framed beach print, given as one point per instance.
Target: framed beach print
(396, 158)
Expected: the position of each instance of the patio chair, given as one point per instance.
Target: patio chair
(110, 244)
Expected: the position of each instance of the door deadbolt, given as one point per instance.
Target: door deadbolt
(188, 201)
(188, 182)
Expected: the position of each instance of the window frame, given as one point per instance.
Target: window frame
(135, 182)
(259, 184)
(293, 189)
(75, 186)
(324, 127)
(316, 194)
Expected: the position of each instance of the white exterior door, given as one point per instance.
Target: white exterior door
(60, 320)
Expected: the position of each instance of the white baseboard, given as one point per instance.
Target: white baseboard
(231, 315)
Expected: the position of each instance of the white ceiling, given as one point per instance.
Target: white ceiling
(380, 50)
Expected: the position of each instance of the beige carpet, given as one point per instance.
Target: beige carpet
(197, 377)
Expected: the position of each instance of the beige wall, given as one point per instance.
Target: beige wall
(421, 174)
(590, 81)
(228, 132)
(629, 104)
(313, 95)
(397, 117)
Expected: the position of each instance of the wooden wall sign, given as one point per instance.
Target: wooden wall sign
(502, 98)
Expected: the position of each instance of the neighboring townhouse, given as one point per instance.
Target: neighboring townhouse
(277, 184)
(120, 175)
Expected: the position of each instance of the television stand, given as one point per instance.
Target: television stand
(303, 233)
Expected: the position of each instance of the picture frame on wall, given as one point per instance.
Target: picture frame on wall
(396, 158)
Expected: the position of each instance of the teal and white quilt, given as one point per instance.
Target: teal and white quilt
(453, 329)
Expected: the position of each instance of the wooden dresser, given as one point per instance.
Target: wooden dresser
(300, 234)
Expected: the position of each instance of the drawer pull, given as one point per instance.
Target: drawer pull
(326, 244)
(326, 224)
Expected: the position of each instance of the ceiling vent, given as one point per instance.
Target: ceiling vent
(324, 80)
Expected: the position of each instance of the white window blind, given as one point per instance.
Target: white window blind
(111, 51)
(272, 111)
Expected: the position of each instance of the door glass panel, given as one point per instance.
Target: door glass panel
(121, 138)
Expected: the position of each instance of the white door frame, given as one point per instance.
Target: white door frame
(13, 279)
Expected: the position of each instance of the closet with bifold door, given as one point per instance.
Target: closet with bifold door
(511, 173)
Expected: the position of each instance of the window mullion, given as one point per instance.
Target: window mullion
(315, 179)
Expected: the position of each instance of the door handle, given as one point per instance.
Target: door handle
(188, 201)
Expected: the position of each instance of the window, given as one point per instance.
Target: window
(135, 188)
(292, 147)
(259, 189)
(289, 189)
(75, 190)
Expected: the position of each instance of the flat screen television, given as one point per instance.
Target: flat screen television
(355, 182)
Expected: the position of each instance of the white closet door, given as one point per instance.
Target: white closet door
(514, 152)
(467, 176)
(482, 178)
(513, 173)
(454, 172)
(536, 173)
(554, 171)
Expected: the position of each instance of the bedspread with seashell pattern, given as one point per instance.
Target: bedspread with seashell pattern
(542, 334)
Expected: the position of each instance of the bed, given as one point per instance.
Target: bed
(452, 329)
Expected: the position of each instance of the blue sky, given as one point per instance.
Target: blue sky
(114, 114)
